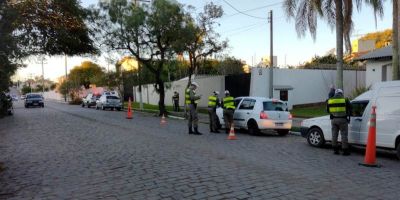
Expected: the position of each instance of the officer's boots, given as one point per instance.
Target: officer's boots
(196, 131)
(191, 131)
(346, 152)
(336, 150)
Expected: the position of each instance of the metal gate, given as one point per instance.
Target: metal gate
(238, 85)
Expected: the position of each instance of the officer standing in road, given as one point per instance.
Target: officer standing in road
(229, 108)
(175, 100)
(339, 109)
(213, 103)
(193, 118)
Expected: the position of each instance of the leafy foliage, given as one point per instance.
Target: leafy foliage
(86, 74)
(52, 27)
(382, 38)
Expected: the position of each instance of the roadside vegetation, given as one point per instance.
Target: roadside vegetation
(309, 112)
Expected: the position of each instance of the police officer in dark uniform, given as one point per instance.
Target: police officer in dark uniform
(193, 117)
(175, 100)
(339, 109)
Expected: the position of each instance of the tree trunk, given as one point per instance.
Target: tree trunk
(161, 90)
(339, 44)
(395, 37)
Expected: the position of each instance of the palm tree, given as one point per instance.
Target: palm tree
(338, 14)
(395, 36)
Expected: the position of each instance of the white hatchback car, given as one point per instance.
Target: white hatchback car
(386, 97)
(259, 113)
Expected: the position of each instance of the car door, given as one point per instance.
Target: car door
(237, 102)
(243, 112)
(356, 120)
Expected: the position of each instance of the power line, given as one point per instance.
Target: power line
(257, 8)
(241, 12)
(242, 27)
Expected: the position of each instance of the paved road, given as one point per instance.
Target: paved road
(68, 152)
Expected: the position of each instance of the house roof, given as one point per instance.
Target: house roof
(385, 52)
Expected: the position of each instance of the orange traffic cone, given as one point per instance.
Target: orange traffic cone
(370, 152)
(129, 113)
(163, 121)
(232, 135)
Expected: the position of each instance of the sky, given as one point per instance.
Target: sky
(248, 37)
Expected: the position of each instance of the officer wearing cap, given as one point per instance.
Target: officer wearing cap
(193, 118)
(229, 108)
(339, 109)
(213, 103)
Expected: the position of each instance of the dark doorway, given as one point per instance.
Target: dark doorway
(238, 85)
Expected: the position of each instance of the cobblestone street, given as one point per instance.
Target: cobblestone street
(68, 152)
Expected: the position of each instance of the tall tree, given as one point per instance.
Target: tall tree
(199, 39)
(338, 14)
(148, 33)
(52, 27)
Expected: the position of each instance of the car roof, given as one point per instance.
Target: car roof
(259, 98)
(364, 96)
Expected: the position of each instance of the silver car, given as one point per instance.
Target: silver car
(109, 101)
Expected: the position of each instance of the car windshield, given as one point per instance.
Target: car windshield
(274, 106)
(112, 97)
(34, 96)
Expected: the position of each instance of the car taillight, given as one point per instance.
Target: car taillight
(290, 116)
(263, 115)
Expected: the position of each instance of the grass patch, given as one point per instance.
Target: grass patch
(136, 105)
(309, 112)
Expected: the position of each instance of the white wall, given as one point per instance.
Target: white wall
(207, 86)
(309, 86)
(374, 71)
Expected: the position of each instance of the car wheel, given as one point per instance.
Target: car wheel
(315, 137)
(252, 128)
(398, 150)
(96, 107)
(43, 106)
(283, 132)
(88, 105)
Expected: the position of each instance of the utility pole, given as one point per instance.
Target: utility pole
(66, 77)
(271, 66)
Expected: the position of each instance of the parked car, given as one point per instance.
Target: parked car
(259, 113)
(90, 100)
(109, 101)
(14, 97)
(23, 97)
(33, 99)
(386, 97)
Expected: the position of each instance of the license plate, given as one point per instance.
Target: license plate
(278, 124)
(35, 104)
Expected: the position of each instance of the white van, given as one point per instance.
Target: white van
(386, 97)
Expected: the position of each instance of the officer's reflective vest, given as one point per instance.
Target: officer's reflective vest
(229, 103)
(212, 101)
(187, 96)
(337, 107)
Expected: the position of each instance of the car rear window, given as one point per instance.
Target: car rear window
(34, 96)
(274, 106)
(112, 97)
